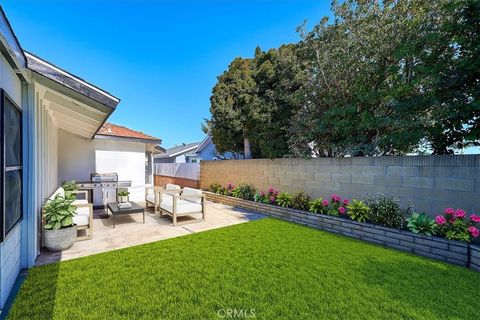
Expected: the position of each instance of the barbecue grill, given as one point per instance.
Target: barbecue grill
(104, 187)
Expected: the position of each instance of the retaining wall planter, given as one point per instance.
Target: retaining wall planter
(445, 250)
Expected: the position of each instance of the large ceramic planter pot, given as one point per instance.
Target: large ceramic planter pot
(123, 199)
(59, 240)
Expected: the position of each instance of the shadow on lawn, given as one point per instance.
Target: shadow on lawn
(37, 294)
(427, 287)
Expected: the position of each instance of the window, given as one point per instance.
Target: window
(11, 164)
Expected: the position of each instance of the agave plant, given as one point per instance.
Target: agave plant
(422, 224)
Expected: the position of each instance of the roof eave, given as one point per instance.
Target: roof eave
(68, 80)
(128, 139)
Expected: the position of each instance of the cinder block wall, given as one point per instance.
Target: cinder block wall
(432, 183)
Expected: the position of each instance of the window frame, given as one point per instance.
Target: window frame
(4, 169)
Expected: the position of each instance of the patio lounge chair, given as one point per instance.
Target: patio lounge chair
(152, 194)
(189, 202)
(83, 215)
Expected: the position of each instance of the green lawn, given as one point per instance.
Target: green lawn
(279, 269)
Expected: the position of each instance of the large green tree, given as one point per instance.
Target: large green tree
(253, 102)
(236, 111)
(279, 77)
(380, 78)
(366, 79)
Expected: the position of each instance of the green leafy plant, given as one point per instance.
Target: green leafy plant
(358, 211)
(385, 210)
(59, 212)
(123, 193)
(244, 191)
(284, 199)
(215, 187)
(421, 223)
(69, 187)
(222, 190)
(316, 206)
(301, 201)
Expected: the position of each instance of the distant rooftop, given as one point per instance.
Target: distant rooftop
(180, 149)
(113, 130)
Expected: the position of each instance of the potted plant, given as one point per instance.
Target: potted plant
(59, 231)
(123, 196)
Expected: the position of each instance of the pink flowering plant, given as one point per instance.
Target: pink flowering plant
(455, 224)
(334, 206)
(269, 196)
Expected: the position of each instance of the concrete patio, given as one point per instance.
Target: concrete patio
(130, 230)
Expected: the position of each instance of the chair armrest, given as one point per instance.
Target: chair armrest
(84, 192)
(147, 189)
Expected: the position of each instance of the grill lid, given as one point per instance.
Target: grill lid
(104, 177)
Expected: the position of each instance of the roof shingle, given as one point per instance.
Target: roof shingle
(110, 129)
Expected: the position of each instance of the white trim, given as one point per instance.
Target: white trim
(159, 156)
(71, 76)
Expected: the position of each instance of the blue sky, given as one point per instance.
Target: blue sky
(160, 57)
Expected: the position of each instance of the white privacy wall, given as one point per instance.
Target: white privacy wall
(79, 157)
(11, 247)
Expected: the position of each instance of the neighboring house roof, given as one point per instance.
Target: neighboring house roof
(115, 131)
(179, 150)
(160, 150)
(54, 73)
(205, 142)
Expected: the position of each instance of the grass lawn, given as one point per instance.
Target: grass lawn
(279, 269)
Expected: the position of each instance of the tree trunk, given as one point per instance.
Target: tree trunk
(247, 148)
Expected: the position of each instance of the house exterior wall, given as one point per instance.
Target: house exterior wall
(11, 247)
(99, 155)
(432, 183)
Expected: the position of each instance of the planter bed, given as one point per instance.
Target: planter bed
(450, 251)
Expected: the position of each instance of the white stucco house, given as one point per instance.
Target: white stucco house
(53, 128)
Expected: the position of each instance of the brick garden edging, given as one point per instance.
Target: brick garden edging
(445, 250)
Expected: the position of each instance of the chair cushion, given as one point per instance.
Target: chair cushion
(150, 198)
(183, 206)
(82, 216)
(171, 186)
(190, 191)
(80, 201)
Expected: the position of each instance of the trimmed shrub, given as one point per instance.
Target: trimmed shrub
(244, 191)
(385, 211)
(301, 201)
(215, 187)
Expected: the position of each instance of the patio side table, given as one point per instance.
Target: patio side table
(115, 210)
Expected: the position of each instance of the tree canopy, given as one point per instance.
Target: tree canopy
(380, 78)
